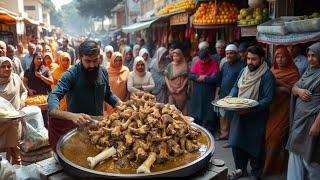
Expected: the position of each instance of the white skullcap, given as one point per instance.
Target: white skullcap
(203, 45)
(232, 47)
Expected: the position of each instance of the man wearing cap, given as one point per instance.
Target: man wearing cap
(232, 49)
(247, 129)
(227, 77)
(86, 87)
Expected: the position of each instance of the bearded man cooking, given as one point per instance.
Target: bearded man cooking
(86, 87)
(248, 126)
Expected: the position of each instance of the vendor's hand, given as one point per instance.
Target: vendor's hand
(244, 111)
(201, 78)
(314, 130)
(305, 94)
(80, 118)
(119, 103)
(38, 74)
(228, 97)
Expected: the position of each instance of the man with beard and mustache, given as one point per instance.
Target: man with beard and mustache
(247, 130)
(86, 87)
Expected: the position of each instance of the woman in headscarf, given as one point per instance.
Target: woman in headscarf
(48, 62)
(304, 134)
(140, 79)
(118, 77)
(202, 74)
(136, 50)
(286, 74)
(159, 64)
(13, 90)
(64, 65)
(128, 58)
(146, 56)
(108, 51)
(58, 55)
(37, 78)
(176, 77)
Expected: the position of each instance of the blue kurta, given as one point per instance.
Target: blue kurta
(81, 96)
(228, 76)
(247, 132)
(203, 94)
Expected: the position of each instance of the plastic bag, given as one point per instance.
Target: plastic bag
(33, 139)
(27, 172)
(34, 134)
(7, 171)
(6, 108)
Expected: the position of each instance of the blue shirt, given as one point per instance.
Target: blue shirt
(26, 61)
(228, 76)
(82, 96)
(247, 131)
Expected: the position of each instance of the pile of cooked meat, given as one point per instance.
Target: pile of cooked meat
(143, 131)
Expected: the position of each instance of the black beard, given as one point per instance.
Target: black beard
(91, 74)
(253, 67)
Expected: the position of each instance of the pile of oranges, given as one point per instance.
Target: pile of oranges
(214, 14)
(37, 100)
(181, 5)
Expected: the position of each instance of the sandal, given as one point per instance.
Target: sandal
(237, 174)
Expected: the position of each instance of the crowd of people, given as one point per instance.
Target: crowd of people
(280, 134)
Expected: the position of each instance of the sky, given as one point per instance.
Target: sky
(59, 3)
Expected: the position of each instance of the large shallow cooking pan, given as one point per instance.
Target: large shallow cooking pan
(181, 171)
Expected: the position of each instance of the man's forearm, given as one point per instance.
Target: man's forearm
(58, 114)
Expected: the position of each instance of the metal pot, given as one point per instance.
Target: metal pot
(181, 171)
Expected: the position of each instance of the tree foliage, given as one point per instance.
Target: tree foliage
(96, 8)
(55, 16)
(73, 22)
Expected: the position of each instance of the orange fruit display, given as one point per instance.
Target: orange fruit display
(181, 5)
(37, 100)
(214, 14)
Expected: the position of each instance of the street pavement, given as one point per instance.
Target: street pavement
(225, 154)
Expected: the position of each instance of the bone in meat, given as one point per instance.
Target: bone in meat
(105, 154)
(146, 165)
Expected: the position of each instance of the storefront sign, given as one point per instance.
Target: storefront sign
(249, 31)
(179, 19)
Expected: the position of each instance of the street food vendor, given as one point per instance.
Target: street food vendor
(86, 87)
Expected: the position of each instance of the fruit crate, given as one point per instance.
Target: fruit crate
(276, 26)
(300, 26)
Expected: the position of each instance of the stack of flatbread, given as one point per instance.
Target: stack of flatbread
(235, 102)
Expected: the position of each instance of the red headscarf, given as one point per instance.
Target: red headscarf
(289, 74)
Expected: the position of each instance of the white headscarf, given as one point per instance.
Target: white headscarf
(148, 61)
(106, 60)
(136, 60)
(157, 57)
(135, 47)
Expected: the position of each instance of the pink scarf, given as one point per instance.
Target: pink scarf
(208, 69)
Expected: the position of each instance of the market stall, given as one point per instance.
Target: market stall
(8, 22)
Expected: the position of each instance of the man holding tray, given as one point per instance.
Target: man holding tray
(248, 126)
(86, 87)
